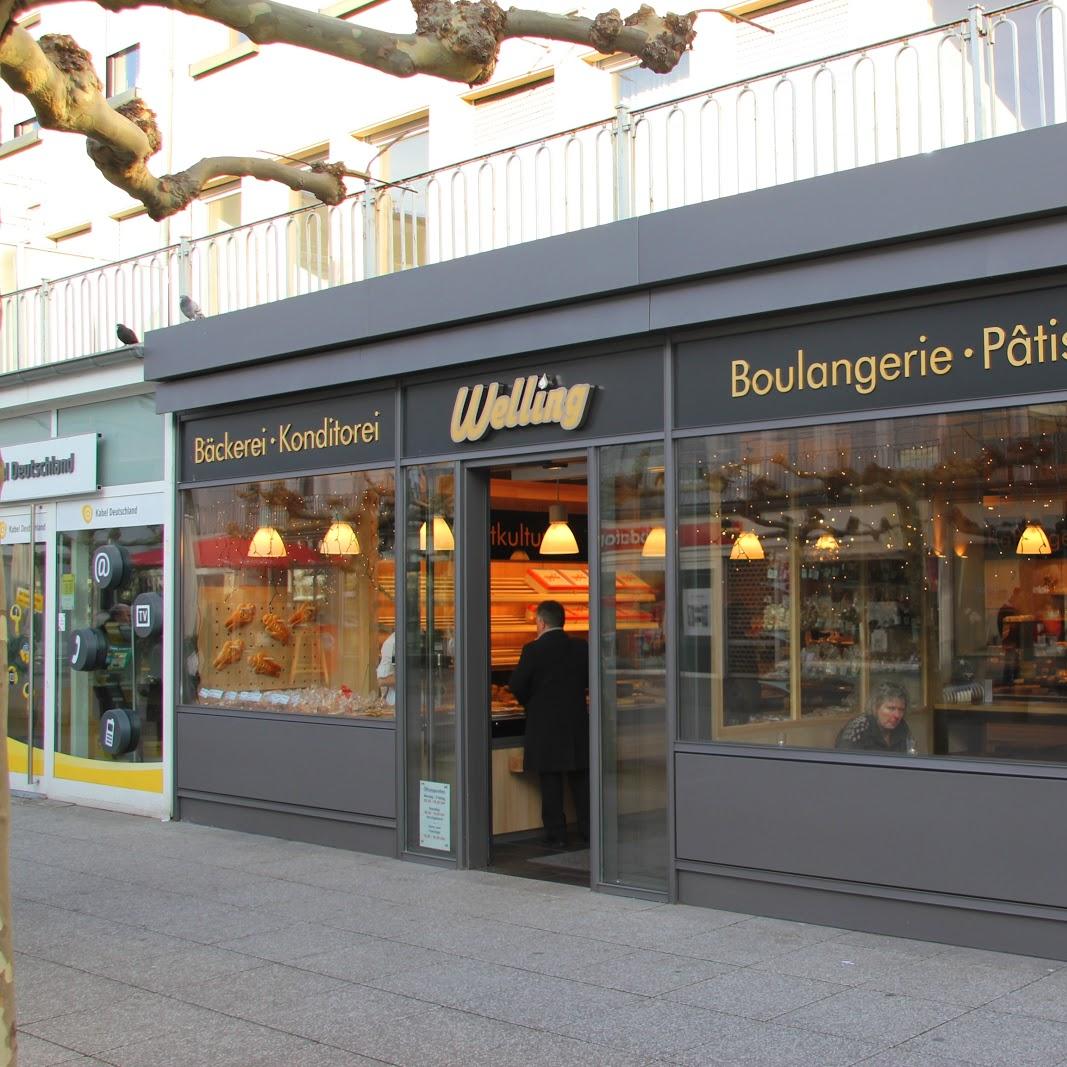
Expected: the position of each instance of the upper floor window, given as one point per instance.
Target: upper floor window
(123, 69)
(27, 126)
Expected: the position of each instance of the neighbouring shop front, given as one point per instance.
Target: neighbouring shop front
(811, 519)
(83, 510)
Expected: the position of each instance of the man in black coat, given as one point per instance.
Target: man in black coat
(551, 682)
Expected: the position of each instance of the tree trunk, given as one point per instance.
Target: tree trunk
(8, 1046)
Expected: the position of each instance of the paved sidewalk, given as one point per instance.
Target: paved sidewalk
(140, 944)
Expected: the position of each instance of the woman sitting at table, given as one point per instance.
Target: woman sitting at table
(883, 727)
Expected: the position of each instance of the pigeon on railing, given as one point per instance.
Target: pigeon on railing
(126, 335)
(190, 308)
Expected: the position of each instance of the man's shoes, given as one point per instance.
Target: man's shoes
(554, 841)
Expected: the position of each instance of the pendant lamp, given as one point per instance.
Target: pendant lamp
(747, 546)
(655, 546)
(443, 540)
(827, 543)
(1033, 542)
(340, 539)
(266, 542)
(558, 539)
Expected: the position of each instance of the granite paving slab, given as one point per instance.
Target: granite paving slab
(1045, 998)
(33, 1052)
(872, 1015)
(258, 992)
(132, 1017)
(646, 973)
(362, 957)
(968, 980)
(46, 989)
(829, 961)
(534, 1049)
(996, 1039)
(763, 1044)
(754, 994)
(434, 1038)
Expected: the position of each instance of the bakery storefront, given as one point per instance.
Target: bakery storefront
(851, 513)
(817, 545)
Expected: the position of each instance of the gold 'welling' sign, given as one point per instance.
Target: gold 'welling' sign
(532, 401)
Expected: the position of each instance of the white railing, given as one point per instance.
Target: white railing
(994, 73)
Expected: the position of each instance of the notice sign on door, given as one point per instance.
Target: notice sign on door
(435, 815)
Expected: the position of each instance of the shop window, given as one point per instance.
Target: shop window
(104, 665)
(131, 437)
(22, 429)
(28, 128)
(290, 596)
(122, 70)
(895, 586)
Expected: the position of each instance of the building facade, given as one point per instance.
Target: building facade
(812, 473)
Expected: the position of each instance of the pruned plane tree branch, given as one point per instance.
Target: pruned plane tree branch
(458, 40)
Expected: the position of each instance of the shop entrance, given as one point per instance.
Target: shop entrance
(538, 551)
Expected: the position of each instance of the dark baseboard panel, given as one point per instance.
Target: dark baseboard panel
(315, 829)
(924, 917)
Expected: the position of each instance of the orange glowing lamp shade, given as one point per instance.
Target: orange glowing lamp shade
(266, 543)
(747, 546)
(827, 543)
(558, 539)
(655, 546)
(443, 538)
(1033, 542)
(340, 540)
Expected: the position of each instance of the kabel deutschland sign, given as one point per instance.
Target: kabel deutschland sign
(62, 466)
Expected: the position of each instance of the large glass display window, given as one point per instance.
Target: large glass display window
(289, 596)
(893, 586)
(103, 665)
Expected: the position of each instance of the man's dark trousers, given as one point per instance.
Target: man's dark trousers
(552, 814)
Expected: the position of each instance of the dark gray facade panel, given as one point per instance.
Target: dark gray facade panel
(996, 837)
(554, 270)
(335, 766)
(970, 185)
(318, 829)
(627, 398)
(870, 273)
(550, 328)
(929, 920)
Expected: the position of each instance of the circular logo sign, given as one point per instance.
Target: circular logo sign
(120, 730)
(88, 650)
(111, 567)
(87, 514)
(148, 615)
(3, 529)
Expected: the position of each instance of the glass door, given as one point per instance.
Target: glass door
(22, 559)
(109, 657)
(633, 701)
(429, 591)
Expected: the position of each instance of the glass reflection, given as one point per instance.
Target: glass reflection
(633, 707)
(926, 557)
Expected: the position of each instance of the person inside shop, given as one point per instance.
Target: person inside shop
(1009, 632)
(884, 727)
(551, 681)
(386, 671)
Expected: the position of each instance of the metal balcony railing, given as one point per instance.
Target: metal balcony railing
(994, 73)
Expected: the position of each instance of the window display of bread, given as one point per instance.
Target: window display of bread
(276, 628)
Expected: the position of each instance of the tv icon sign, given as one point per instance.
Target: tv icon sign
(142, 619)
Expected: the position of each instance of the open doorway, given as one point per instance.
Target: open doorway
(538, 551)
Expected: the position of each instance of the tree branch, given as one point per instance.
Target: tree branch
(458, 40)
